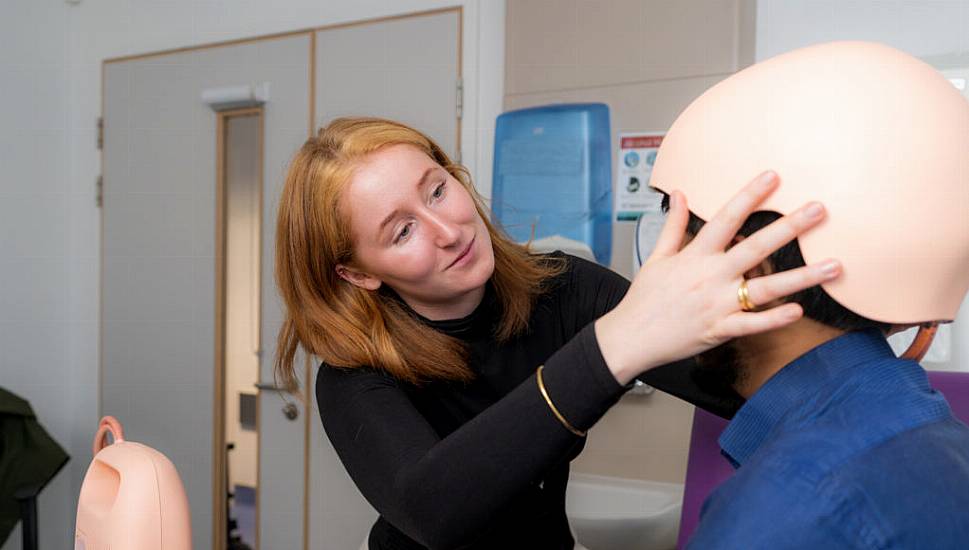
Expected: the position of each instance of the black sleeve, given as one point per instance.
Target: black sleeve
(444, 492)
(596, 290)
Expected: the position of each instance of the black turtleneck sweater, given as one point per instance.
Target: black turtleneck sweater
(485, 465)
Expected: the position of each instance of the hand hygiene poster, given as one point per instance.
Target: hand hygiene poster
(635, 200)
(637, 154)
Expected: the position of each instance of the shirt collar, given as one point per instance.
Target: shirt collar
(795, 384)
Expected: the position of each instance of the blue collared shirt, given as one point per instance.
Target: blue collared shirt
(845, 447)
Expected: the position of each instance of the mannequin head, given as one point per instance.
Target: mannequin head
(829, 120)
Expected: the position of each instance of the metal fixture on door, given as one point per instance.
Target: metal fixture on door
(290, 411)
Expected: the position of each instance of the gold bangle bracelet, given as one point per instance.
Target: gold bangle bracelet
(541, 388)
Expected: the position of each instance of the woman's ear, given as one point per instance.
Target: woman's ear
(357, 278)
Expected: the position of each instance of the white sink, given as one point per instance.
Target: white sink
(611, 513)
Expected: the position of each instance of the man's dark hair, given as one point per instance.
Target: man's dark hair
(817, 304)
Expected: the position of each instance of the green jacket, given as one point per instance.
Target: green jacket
(29, 457)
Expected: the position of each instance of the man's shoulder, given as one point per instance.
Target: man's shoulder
(843, 434)
(931, 457)
(840, 466)
(913, 486)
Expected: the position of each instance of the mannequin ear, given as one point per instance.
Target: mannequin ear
(357, 278)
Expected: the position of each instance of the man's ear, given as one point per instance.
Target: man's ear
(357, 278)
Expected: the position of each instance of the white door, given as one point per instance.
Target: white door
(160, 315)
(406, 69)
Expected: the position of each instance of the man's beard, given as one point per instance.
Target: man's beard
(720, 370)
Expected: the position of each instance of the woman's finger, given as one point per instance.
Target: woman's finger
(743, 323)
(750, 252)
(764, 290)
(674, 229)
(719, 231)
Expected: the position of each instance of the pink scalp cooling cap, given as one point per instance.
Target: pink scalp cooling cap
(876, 135)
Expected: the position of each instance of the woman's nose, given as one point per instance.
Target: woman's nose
(446, 232)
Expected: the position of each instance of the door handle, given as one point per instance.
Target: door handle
(290, 411)
(294, 389)
(270, 386)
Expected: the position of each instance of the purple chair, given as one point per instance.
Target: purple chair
(706, 467)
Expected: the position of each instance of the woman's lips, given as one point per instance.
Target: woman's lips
(463, 254)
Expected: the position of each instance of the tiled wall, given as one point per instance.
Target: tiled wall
(642, 437)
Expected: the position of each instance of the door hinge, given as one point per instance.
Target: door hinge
(100, 133)
(459, 98)
(99, 193)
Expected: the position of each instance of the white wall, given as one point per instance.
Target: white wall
(40, 311)
(936, 31)
(47, 335)
(923, 28)
(50, 99)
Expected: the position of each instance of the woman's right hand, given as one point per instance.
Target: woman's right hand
(684, 302)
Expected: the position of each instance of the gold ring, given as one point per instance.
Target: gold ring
(743, 296)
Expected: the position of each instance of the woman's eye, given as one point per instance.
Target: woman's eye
(403, 233)
(437, 194)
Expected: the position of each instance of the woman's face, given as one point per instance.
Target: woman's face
(414, 227)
